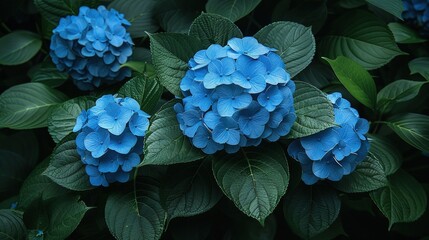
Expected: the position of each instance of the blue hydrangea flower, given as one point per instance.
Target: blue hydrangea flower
(416, 14)
(333, 152)
(235, 96)
(110, 139)
(91, 47)
(13, 205)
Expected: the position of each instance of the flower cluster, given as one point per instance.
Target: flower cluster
(92, 46)
(110, 139)
(235, 96)
(336, 151)
(416, 13)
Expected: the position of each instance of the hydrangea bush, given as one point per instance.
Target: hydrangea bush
(92, 46)
(235, 96)
(110, 139)
(333, 152)
(214, 119)
(416, 14)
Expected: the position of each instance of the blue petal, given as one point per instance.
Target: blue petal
(308, 176)
(211, 119)
(80, 140)
(225, 132)
(138, 125)
(241, 101)
(131, 161)
(123, 143)
(131, 104)
(201, 138)
(97, 143)
(361, 128)
(115, 118)
(225, 107)
(321, 169)
(317, 145)
(109, 162)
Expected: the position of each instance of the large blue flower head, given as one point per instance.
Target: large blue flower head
(235, 96)
(416, 13)
(110, 139)
(336, 151)
(92, 46)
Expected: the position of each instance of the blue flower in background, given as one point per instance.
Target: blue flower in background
(416, 14)
(110, 139)
(235, 96)
(336, 151)
(92, 46)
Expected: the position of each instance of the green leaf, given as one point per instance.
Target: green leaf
(164, 141)
(314, 112)
(36, 216)
(413, 128)
(189, 189)
(23, 143)
(145, 90)
(137, 66)
(295, 44)
(191, 228)
(11, 225)
(355, 79)
(386, 153)
(403, 200)
(141, 15)
(142, 55)
(404, 34)
(38, 186)
(317, 74)
(310, 14)
(170, 55)
(66, 168)
(362, 37)
(351, 3)
(394, 7)
(14, 169)
(396, 92)
(232, 9)
(213, 28)
(334, 231)
(65, 214)
(48, 74)
(63, 117)
(28, 105)
(368, 176)
(177, 15)
(46, 28)
(244, 228)
(311, 210)
(18, 47)
(420, 66)
(137, 215)
(255, 179)
(53, 10)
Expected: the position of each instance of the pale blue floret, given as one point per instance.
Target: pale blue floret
(416, 14)
(235, 96)
(92, 46)
(333, 152)
(110, 139)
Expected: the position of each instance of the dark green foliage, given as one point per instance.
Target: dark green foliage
(361, 48)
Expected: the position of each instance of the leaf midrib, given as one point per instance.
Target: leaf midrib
(408, 130)
(361, 41)
(18, 49)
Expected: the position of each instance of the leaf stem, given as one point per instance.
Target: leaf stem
(5, 27)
